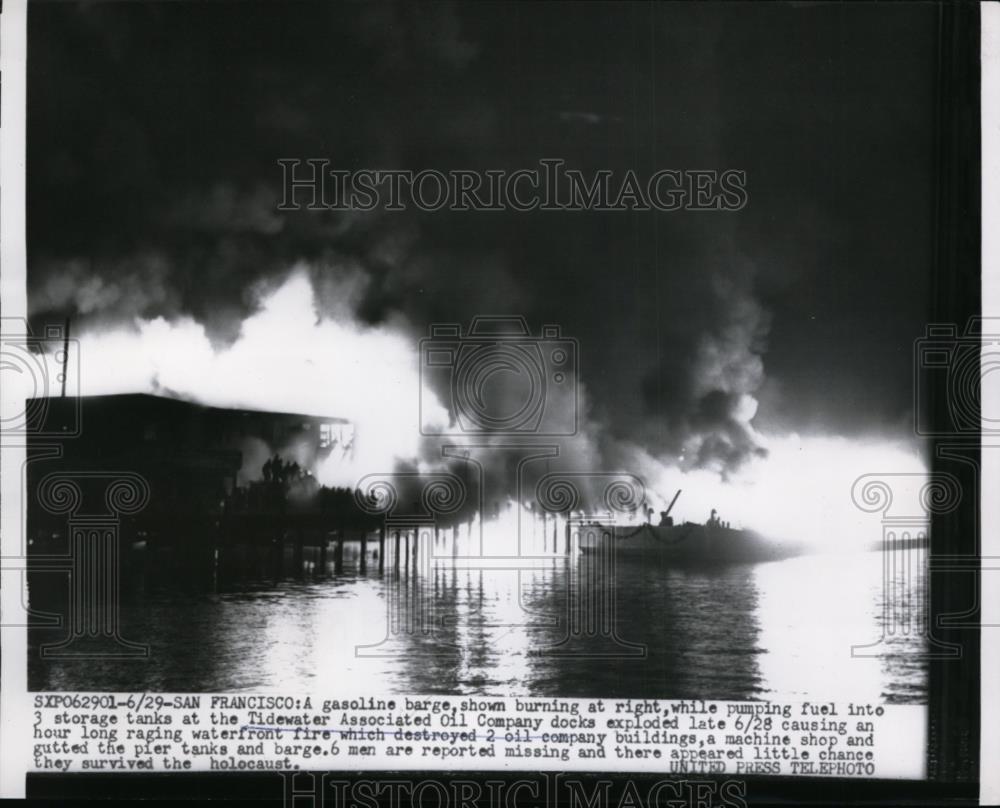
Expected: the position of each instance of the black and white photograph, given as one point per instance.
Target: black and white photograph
(544, 351)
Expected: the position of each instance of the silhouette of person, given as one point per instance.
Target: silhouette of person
(277, 469)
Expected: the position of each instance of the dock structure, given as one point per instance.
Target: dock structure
(223, 499)
(217, 477)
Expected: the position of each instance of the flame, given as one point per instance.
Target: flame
(289, 358)
(286, 358)
(800, 492)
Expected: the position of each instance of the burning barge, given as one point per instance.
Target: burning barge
(713, 543)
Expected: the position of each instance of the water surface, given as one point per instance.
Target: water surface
(806, 627)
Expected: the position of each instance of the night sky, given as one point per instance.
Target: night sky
(154, 131)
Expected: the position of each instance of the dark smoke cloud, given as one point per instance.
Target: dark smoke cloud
(154, 131)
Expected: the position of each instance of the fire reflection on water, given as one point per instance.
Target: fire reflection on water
(449, 618)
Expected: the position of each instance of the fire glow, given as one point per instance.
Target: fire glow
(289, 358)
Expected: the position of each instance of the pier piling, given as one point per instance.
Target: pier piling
(338, 554)
(297, 553)
(278, 554)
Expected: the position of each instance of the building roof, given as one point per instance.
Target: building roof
(148, 400)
